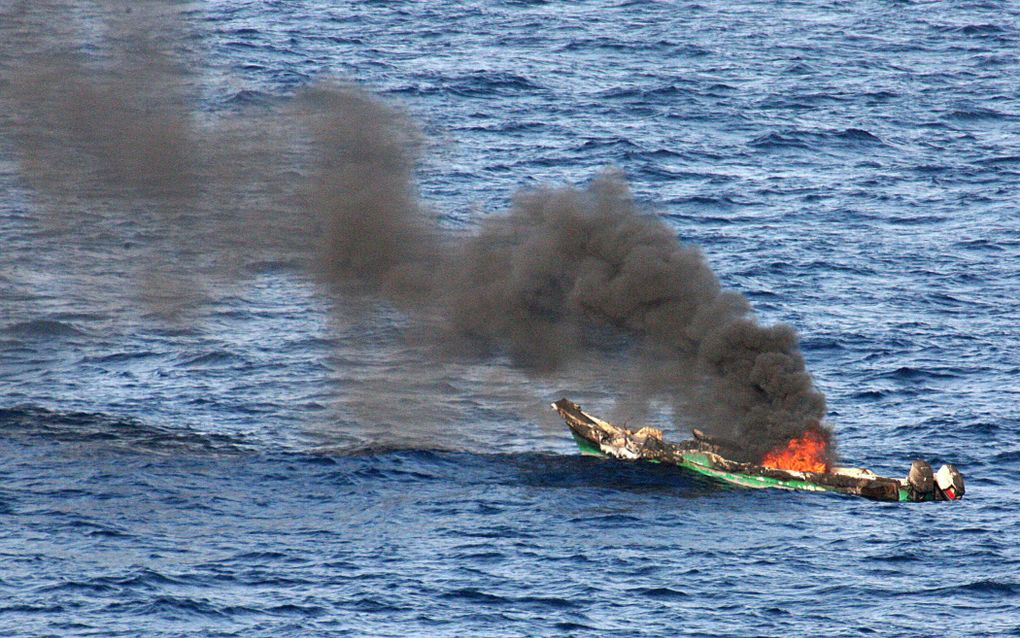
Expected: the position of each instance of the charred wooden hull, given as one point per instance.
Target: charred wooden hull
(702, 456)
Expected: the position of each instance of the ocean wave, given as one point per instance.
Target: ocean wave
(478, 596)
(488, 83)
(216, 359)
(977, 113)
(980, 245)
(909, 373)
(981, 587)
(821, 140)
(248, 97)
(986, 29)
(43, 328)
(111, 432)
(118, 357)
(646, 94)
(659, 593)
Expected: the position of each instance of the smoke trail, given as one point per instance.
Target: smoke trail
(566, 270)
(362, 195)
(564, 273)
(325, 180)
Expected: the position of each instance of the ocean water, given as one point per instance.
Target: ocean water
(250, 468)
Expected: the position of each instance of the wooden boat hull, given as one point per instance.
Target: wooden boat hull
(701, 456)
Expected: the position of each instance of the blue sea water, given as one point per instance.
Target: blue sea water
(851, 167)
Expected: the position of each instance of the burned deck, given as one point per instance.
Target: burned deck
(704, 455)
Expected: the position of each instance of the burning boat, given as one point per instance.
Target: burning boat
(798, 465)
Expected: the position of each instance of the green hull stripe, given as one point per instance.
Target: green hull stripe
(700, 463)
(587, 447)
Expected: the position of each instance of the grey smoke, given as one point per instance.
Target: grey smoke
(325, 180)
(567, 267)
(565, 273)
(372, 227)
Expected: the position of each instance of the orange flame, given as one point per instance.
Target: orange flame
(806, 453)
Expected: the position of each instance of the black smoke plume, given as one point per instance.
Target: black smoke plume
(325, 180)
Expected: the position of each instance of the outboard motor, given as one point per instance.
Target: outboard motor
(921, 481)
(949, 482)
